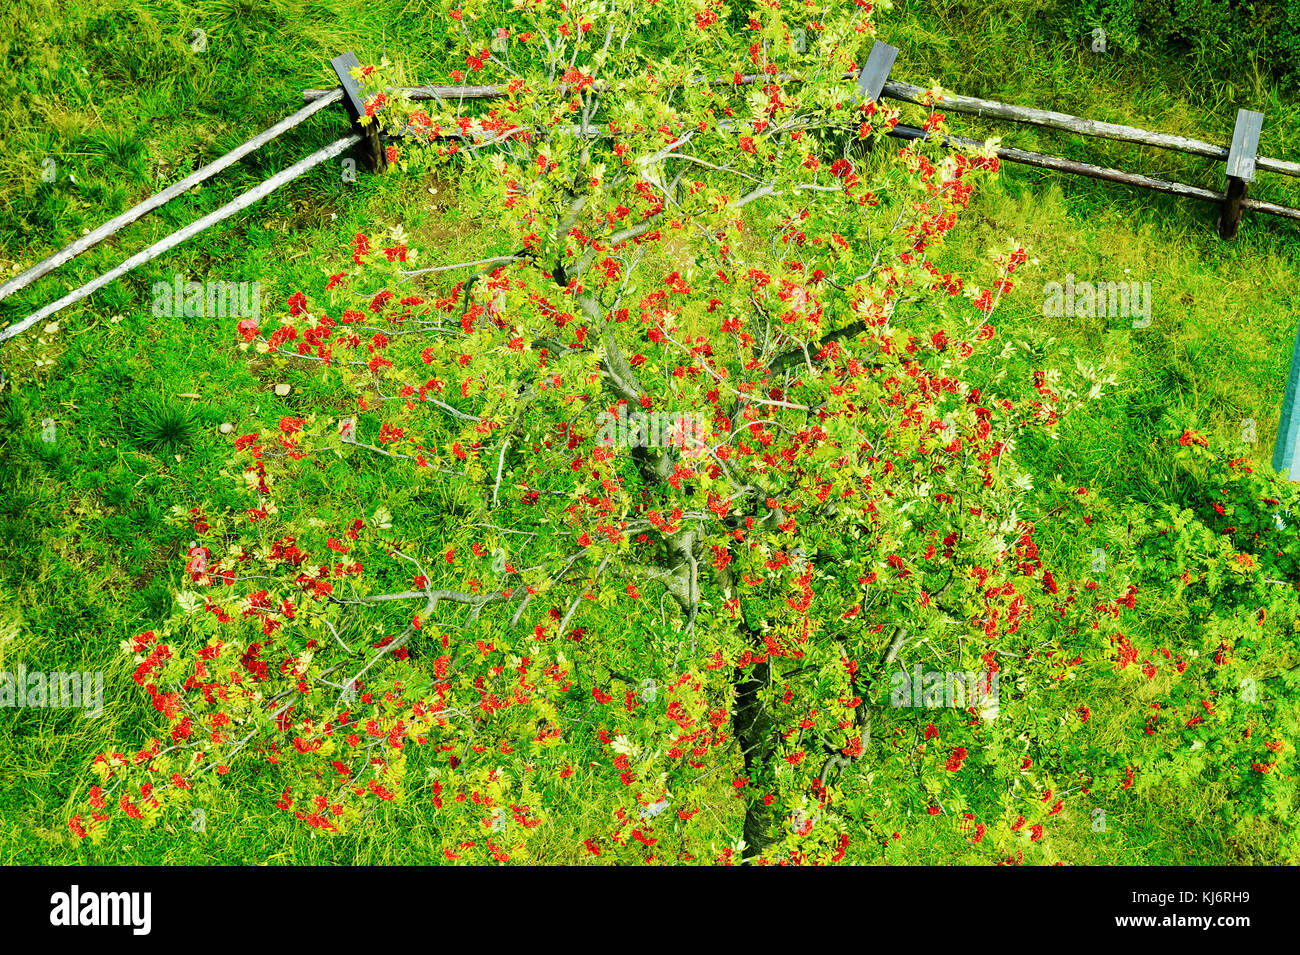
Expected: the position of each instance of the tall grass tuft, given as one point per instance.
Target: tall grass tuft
(160, 425)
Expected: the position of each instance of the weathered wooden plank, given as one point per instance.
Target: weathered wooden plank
(353, 101)
(373, 155)
(1278, 165)
(430, 92)
(592, 131)
(1050, 119)
(876, 71)
(112, 226)
(1245, 145)
(1270, 208)
(194, 228)
(1059, 163)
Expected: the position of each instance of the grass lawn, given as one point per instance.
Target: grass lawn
(121, 101)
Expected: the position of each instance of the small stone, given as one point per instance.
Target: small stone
(281, 390)
(226, 427)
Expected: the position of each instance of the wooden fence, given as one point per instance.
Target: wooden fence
(1240, 156)
(1241, 160)
(347, 92)
(1241, 163)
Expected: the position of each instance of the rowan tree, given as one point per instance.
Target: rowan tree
(675, 645)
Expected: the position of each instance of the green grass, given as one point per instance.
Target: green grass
(122, 104)
(1224, 316)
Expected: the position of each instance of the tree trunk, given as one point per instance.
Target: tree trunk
(753, 730)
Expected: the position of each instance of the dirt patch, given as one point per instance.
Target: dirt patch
(161, 556)
(436, 195)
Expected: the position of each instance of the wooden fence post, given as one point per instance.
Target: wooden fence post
(872, 78)
(1240, 169)
(871, 81)
(373, 155)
